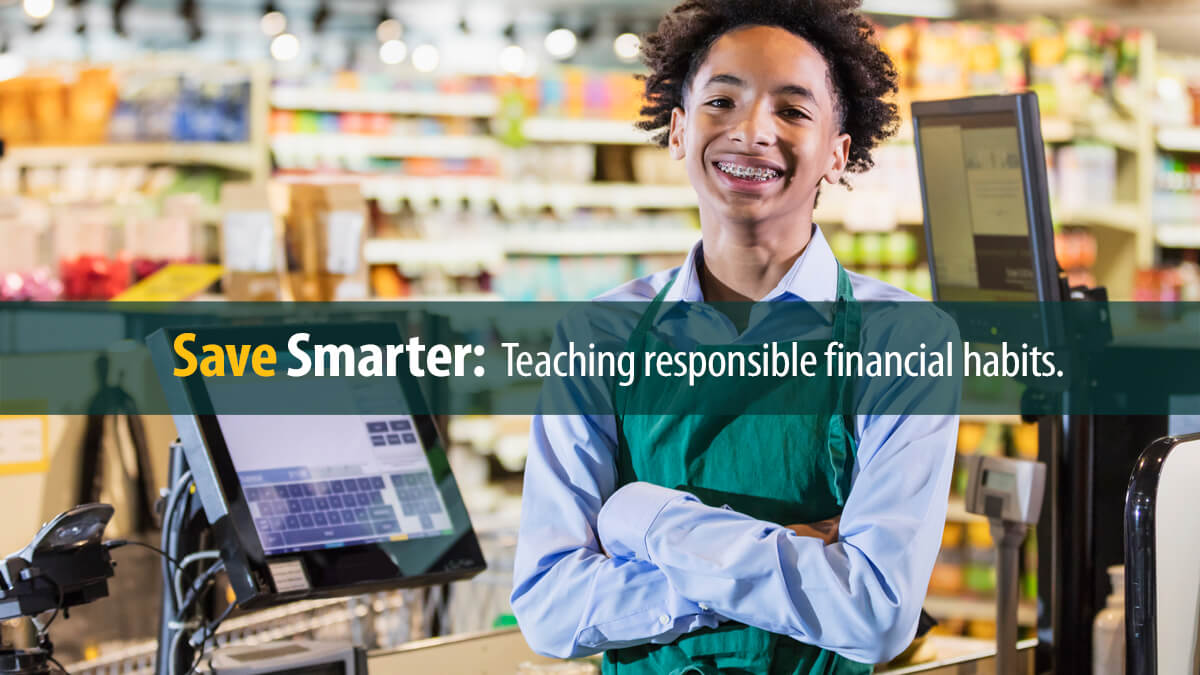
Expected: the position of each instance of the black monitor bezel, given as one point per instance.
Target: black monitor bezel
(1024, 108)
(227, 508)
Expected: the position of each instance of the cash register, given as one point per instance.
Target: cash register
(295, 507)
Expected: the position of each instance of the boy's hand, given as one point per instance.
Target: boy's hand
(825, 530)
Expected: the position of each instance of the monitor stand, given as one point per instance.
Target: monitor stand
(185, 530)
(1079, 534)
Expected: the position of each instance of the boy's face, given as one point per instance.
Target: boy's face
(759, 129)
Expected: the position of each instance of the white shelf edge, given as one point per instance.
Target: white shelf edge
(286, 146)
(242, 156)
(396, 102)
(479, 251)
(975, 609)
(491, 249)
(600, 242)
(583, 130)
(1179, 139)
(1178, 235)
(1119, 216)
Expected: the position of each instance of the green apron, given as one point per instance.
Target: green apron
(784, 469)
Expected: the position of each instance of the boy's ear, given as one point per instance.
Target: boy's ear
(839, 156)
(675, 136)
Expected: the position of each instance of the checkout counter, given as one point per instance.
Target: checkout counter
(503, 652)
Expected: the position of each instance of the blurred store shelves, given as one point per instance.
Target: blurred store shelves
(1178, 235)
(237, 156)
(395, 102)
(598, 131)
(974, 609)
(1179, 139)
(363, 145)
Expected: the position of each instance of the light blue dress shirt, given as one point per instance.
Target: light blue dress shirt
(600, 568)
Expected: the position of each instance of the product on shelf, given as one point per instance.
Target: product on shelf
(1076, 250)
(1085, 175)
(1177, 191)
(251, 250)
(324, 233)
(91, 263)
(25, 274)
(90, 105)
(1178, 91)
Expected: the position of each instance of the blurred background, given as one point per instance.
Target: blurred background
(464, 149)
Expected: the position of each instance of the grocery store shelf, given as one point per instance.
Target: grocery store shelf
(1118, 133)
(360, 145)
(1122, 217)
(560, 196)
(466, 252)
(395, 102)
(565, 130)
(957, 513)
(1179, 139)
(600, 242)
(489, 250)
(1178, 235)
(238, 156)
(974, 609)
(869, 213)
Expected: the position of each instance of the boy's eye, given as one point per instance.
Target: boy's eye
(794, 113)
(720, 103)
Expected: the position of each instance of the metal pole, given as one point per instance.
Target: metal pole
(1008, 537)
(176, 469)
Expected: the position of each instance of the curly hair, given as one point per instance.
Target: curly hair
(861, 75)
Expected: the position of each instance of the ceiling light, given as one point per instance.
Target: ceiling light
(273, 23)
(561, 43)
(627, 46)
(38, 9)
(285, 47)
(512, 60)
(392, 52)
(425, 58)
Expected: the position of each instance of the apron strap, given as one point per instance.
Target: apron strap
(637, 340)
(847, 328)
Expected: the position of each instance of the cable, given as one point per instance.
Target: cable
(118, 543)
(170, 528)
(210, 631)
(57, 608)
(188, 560)
(60, 666)
(199, 587)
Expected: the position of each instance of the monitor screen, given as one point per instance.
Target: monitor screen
(976, 207)
(315, 482)
(319, 505)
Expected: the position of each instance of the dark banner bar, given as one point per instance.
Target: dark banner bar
(600, 358)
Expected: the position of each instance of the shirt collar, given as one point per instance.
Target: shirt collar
(812, 278)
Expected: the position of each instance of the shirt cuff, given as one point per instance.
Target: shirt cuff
(628, 514)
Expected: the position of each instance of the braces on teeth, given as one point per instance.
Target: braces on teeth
(747, 172)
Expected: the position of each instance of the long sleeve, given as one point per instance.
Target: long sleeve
(569, 597)
(860, 597)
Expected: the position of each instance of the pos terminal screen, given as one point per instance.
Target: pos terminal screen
(976, 207)
(325, 481)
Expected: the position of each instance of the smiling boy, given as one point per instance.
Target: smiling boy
(794, 543)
